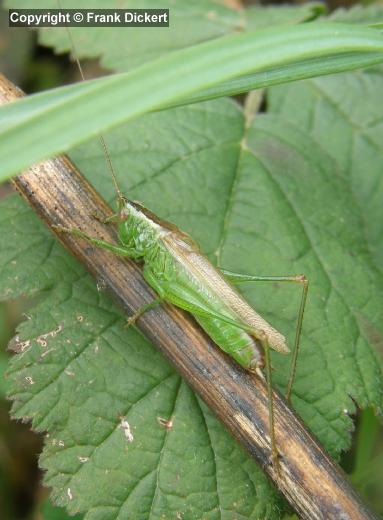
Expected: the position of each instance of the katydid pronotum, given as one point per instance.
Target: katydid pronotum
(180, 274)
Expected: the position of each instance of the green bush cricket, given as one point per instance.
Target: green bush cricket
(180, 274)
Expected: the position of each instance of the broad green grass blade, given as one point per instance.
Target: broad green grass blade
(304, 70)
(45, 124)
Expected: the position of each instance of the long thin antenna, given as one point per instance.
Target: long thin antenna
(102, 140)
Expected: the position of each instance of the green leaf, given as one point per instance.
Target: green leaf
(262, 196)
(351, 133)
(49, 512)
(370, 14)
(190, 23)
(41, 125)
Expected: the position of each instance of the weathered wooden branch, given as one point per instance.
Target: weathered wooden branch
(313, 484)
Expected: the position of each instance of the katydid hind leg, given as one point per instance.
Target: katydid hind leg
(298, 333)
(268, 369)
(301, 279)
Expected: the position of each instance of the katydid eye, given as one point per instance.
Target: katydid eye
(124, 214)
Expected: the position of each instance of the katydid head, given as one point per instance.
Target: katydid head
(135, 229)
(121, 204)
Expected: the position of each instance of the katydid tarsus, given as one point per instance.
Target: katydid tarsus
(180, 274)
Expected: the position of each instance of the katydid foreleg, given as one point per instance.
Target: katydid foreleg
(116, 218)
(117, 250)
(241, 278)
(101, 244)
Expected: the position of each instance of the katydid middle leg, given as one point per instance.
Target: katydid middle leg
(143, 309)
(241, 278)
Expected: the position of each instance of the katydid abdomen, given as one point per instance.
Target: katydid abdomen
(235, 342)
